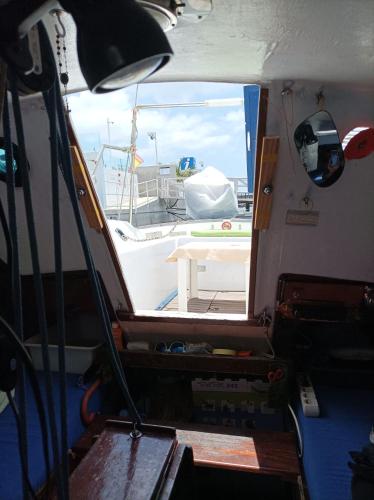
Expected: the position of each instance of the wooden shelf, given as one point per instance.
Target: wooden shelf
(199, 363)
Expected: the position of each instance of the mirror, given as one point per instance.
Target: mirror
(320, 149)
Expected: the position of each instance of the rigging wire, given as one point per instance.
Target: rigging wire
(23, 457)
(124, 185)
(16, 288)
(60, 307)
(298, 431)
(38, 285)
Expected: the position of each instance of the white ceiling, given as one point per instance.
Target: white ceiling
(264, 40)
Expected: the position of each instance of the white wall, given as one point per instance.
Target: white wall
(342, 245)
(37, 147)
(151, 278)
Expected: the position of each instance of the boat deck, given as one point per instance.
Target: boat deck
(213, 302)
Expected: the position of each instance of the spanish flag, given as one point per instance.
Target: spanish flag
(138, 160)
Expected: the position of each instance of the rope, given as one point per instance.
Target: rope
(60, 308)
(38, 284)
(26, 360)
(96, 287)
(3, 76)
(13, 262)
(23, 458)
(67, 171)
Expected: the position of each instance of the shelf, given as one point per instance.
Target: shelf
(199, 363)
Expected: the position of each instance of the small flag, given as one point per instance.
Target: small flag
(138, 160)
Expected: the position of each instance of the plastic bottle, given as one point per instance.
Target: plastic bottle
(117, 335)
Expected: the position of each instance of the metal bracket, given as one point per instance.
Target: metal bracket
(268, 189)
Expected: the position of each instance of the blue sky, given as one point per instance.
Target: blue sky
(214, 136)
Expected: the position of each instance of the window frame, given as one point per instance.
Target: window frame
(153, 324)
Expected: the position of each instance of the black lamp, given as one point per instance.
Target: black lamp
(118, 43)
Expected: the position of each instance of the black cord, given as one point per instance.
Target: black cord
(38, 285)
(8, 331)
(16, 295)
(60, 302)
(64, 155)
(9, 252)
(95, 283)
(176, 215)
(6, 234)
(97, 291)
(26, 478)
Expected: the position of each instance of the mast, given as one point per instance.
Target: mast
(134, 134)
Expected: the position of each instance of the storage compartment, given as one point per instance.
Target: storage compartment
(79, 353)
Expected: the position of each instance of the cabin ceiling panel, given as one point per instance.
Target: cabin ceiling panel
(256, 40)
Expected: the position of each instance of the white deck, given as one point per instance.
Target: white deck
(145, 262)
(210, 301)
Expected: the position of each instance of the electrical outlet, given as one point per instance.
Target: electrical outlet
(201, 269)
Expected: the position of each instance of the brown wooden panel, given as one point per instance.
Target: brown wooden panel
(255, 451)
(343, 293)
(263, 453)
(179, 483)
(269, 159)
(88, 201)
(105, 230)
(197, 363)
(261, 132)
(118, 467)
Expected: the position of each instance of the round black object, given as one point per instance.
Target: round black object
(118, 44)
(8, 365)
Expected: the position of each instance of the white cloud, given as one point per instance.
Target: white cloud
(236, 116)
(211, 134)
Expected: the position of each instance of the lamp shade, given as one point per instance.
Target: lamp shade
(118, 43)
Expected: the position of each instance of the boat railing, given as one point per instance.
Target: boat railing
(167, 188)
(171, 188)
(148, 189)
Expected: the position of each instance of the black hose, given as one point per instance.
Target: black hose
(25, 476)
(96, 287)
(38, 285)
(8, 331)
(6, 234)
(60, 302)
(64, 155)
(16, 295)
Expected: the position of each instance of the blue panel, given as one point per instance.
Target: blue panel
(344, 425)
(251, 106)
(10, 469)
(187, 163)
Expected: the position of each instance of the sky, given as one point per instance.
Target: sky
(214, 136)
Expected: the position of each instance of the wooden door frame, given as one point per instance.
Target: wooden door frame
(138, 324)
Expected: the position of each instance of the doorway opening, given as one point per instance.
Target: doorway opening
(173, 168)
